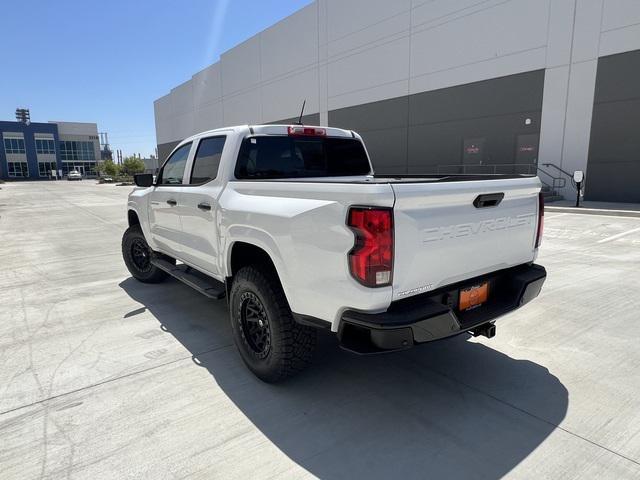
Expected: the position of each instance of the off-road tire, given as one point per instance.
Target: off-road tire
(133, 240)
(291, 345)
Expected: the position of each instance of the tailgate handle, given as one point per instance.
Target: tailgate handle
(488, 200)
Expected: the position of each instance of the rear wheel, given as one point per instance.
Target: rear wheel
(137, 257)
(270, 342)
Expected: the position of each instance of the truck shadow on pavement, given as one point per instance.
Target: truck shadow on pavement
(451, 409)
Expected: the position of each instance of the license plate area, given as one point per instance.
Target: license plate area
(473, 297)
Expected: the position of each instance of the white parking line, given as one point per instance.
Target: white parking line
(615, 237)
(555, 216)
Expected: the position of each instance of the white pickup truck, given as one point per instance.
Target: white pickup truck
(291, 225)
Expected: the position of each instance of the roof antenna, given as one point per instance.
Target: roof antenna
(302, 111)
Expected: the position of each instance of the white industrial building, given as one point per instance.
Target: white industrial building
(442, 85)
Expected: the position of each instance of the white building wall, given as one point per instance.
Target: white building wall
(340, 53)
(76, 128)
(80, 131)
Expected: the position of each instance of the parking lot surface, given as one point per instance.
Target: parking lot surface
(102, 377)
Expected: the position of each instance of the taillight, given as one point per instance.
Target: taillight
(371, 258)
(540, 220)
(307, 131)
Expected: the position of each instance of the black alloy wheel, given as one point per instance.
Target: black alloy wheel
(141, 254)
(138, 257)
(254, 323)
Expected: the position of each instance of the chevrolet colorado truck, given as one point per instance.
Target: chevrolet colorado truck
(293, 227)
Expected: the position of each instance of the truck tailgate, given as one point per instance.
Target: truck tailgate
(441, 237)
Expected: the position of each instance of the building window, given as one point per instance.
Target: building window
(45, 146)
(18, 169)
(14, 145)
(44, 168)
(71, 150)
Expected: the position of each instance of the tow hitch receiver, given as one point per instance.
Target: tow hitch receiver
(487, 330)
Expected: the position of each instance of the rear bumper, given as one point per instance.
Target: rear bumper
(434, 315)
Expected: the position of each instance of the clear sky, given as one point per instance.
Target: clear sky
(107, 61)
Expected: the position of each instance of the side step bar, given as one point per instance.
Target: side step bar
(207, 286)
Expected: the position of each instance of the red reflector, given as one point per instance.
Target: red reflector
(371, 258)
(540, 220)
(307, 131)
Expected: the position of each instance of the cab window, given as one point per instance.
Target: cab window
(272, 157)
(207, 160)
(173, 170)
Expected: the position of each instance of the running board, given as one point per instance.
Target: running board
(207, 286)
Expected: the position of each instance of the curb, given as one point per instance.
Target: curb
(593, 211)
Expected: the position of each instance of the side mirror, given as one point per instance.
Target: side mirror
(578, 176)
(143, 179)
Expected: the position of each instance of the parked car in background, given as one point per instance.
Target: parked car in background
(74, 175)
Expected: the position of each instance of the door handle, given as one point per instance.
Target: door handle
(204, 206)
(172, 202)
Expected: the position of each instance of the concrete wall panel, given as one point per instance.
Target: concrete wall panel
(241, 67)
(560, 32)
(182, 99)
(290, 45)
(163, 117)
(209, 117)
(207, 85)
(358, 78)
(586, 35)
(283, 99)
(184, 125)
(578, 122)
(620, 40)
(620, 13)
(554, 107)
(347, 17)
(387, 30)
(485, 70)
(501, 30)
(243, 109)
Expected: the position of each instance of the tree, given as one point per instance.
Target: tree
(110, 168)
(132, 165)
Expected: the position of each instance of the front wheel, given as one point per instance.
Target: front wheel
(271, 343)
(137, 257)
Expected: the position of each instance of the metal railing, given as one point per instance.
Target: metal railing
(564, 172)
(556, 182)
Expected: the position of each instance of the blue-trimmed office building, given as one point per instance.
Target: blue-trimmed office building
(38, 151)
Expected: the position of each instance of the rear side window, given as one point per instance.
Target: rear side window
(275, 157)
(207, 160)
(173, 169)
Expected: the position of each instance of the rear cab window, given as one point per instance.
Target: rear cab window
(207, 160)
(277, 157)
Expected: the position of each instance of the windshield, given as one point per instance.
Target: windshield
(272, 157)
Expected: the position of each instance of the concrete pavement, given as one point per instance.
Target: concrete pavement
(104, 377)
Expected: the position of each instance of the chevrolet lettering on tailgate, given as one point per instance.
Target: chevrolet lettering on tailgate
(467, 229)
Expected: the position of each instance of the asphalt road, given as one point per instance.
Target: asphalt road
(102, 377)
